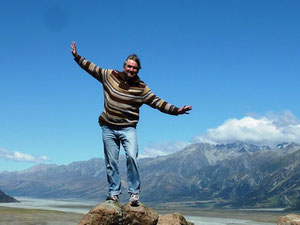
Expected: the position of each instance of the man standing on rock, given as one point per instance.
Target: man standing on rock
(124, 94)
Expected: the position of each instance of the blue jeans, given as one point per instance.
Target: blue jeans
(113, 136)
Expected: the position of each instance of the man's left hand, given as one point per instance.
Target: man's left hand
(184, 109)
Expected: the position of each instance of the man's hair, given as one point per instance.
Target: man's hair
(135, 58)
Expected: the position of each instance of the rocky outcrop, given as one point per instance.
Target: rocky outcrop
(174, 219)
(107, 213)
(291, 219)
(112, 213)
(5, 198)
(139, 215)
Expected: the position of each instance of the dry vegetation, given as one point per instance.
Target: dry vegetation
(15, 216)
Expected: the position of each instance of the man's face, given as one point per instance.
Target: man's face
(131, 68)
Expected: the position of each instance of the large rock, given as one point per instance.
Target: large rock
(174, 219)
(139, 215)
(291, 219)
(107, 213)
(112, 213)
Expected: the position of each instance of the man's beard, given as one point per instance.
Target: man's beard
(130, 75)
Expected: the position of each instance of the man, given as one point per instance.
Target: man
(124, 94)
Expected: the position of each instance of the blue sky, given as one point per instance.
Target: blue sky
(236, 62)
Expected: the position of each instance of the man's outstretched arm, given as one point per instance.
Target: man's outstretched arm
(88, 66)
(155, 102)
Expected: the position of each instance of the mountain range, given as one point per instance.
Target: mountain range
(203, 175)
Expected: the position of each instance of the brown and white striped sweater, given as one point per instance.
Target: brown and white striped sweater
(123, 97)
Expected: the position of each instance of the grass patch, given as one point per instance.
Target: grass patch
(16, 216)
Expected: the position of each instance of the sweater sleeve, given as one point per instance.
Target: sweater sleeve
(152, 100)
(90, 67)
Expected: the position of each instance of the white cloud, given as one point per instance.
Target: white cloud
(19, 156)
(265, 130)
(270, 130)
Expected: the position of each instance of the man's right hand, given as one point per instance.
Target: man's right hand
(74, 50)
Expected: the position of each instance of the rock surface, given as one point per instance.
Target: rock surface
(139, 215)
(112, 213)
(174, 219)
(291, 219)
(107, 213)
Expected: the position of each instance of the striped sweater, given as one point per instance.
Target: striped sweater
(123, 97)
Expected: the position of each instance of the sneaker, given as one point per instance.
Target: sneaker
(134, 200)
(114, 198)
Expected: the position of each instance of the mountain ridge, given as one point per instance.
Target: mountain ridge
(227, 175)
(4, 198)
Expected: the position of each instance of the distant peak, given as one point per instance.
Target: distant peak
(39, 167)
(265, 147)
(282, 145)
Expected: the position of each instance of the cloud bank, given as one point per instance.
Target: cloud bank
(270, 130)
(21, 157)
